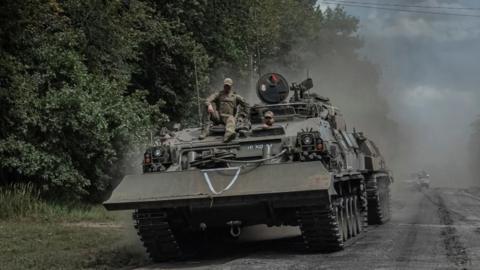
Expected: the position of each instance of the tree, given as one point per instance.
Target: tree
(66, 119)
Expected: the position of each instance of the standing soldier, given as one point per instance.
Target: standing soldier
(222, 109)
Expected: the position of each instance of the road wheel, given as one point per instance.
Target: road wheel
(344, 219)
(353, 217)
(358, 215)
(348, 208)
(339, 216)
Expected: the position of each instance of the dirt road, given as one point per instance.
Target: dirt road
(436, 229)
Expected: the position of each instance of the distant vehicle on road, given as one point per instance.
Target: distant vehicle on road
(419, 180)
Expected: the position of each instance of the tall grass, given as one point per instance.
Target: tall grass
(23, 201)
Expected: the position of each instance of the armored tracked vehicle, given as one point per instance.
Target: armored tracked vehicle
(305, 170)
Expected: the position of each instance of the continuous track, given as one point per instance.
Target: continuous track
(155, 233)
(378, 194)
(320, 229)
(327, 228)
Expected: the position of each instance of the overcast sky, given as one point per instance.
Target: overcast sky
(430, 75)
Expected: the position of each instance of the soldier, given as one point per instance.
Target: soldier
(268, 119)
(222, 109)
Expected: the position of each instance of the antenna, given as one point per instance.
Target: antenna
(259, 72)
(197, 90)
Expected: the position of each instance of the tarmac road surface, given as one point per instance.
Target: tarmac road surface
(434, 229)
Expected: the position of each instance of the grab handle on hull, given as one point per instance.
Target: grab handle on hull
(209, 182)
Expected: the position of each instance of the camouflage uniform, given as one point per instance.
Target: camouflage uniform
(225, 109)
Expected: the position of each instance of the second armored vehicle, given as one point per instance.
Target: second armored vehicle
(307, 170)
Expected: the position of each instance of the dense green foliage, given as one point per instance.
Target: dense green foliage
(82, 81)
(66, 116)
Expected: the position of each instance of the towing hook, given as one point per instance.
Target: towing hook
(235, 229)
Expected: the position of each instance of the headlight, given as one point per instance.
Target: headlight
(157, 152)
(307, 140)
(157, 159)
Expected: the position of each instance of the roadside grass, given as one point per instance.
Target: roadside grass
(23, 201)
(36, 234)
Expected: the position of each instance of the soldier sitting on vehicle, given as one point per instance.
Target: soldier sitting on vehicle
(268, 119)
(222, 109)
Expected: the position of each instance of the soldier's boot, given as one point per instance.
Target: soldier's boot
(205, 132)
(228, 137)
(243, 125)
(229, 129)
(207, 121)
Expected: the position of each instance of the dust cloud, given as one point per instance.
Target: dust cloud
(412, 88)
(429, 66)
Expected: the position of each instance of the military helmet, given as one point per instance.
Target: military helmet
(228, 81)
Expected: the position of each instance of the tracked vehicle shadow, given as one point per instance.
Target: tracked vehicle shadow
(222, 252)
